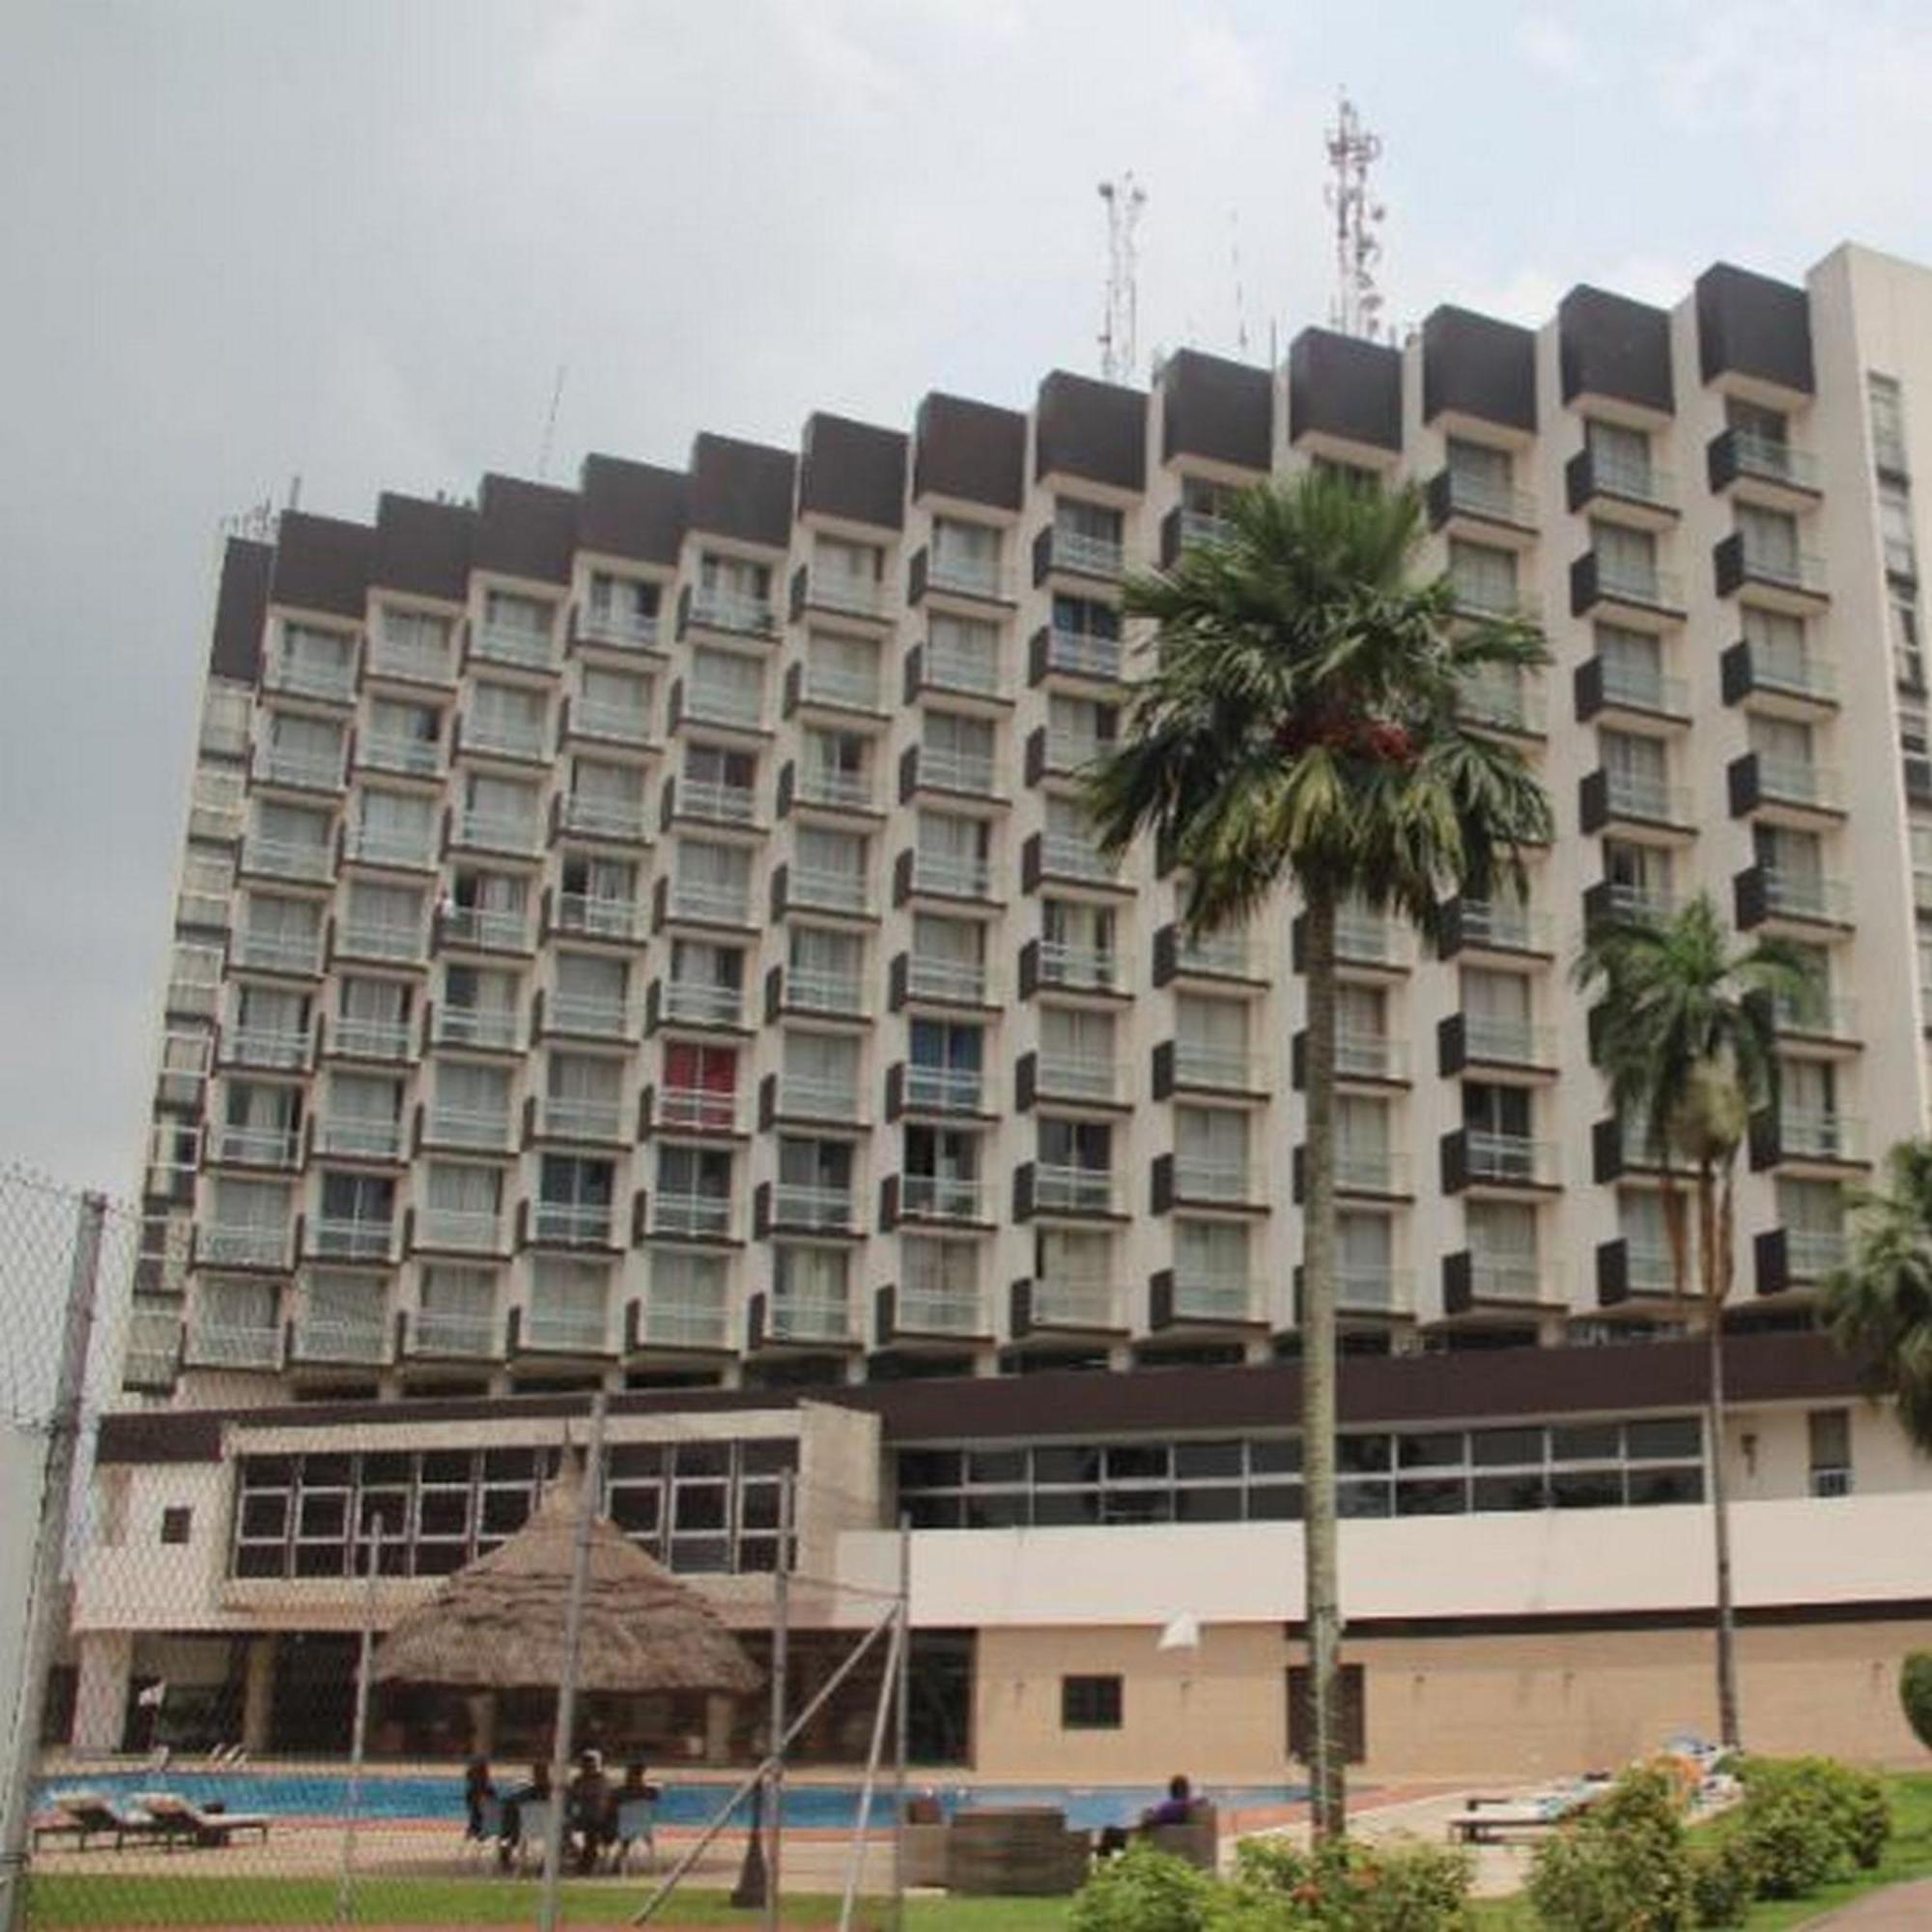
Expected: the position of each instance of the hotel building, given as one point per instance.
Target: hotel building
(645, 937)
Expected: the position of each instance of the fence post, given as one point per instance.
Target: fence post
(50, 1552)
(566, 1690)
(781, 1659)
(358, 1739)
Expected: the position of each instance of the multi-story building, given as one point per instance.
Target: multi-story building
(646, 937)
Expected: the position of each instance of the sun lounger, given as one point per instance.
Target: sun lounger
(532, 1830)
(1483, 1821)
(184, 1819)
(637, 1825)
(93, 1814)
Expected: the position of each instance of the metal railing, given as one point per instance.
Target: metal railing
(801, 1204)
(1634, 583)
(1819, 1133)
(437, 1331)
(495, 1028)
(1477, 598)
(420, 664)
(692, 1214)
(817, 990)
(1212, 1297)
(288, 858)
(228, 1245)
(1202, 1177)
(570, 1331)
(256, 1146)
(599, 918)
(384, 845)
(1636, 479)
(723, 609)
(1511, 1042)
(1508, 1158)
(1796, 780)
(1642, 688)
(709, 902)
(713, 798)
(716, 703)
(380, 939)
(414, 757)
(320, 1338)
(1772, 458)
(839, 685)
(941, 1196)
(1638, 795)
(1371, 1170)
(505, 735)
(497, 830)
(278, 951)
(939, 1311)
(627, 630)
(1810, 1253)
(590, 1014)
(1803, 675)
(1511, 1277)
(1367, 938)
(1068, 856)
(486, 927)
(1082, 654)
(153, 1347)
(1474, 495)
(1230, 954)
(1078, 967)
(1199, 526)
(1370, 1284)
(577, 1224)
(846, 590)
(828, 887)
(1509, 927)
(1774, 563)
(229, 1344)
(1081, 551)
(973, 673)
(600, 718)
(331, 683)
(699, 1109)
(1073, 751)
(472, 1227)
(1370, 1056)
(949, 873)
(1831, 1016)
(1200, 1064)
(809, 1317)
(268, 1046)
(1801, 896)
(1073, 1190)
(1506, 703)
(1074, 1301)
(312, 770)
(349, 1239)
(602, 818)
(962, 980)
(583, 1119)
(1648, 1269)
(945, 1089)
(967, 577)
(522, 646)
(359, 1139)
(817, 1098)
(468, 1127)
(1078, 1077)
(701, 1003)
(674, 1323)
(953, 770)
(825, 784)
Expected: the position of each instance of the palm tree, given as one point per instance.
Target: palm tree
(1878, 1308)
(1301, 726)
(1686, 1035)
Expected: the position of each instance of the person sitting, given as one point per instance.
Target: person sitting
(536, 1792)
(637, 1790)
(587, 1807)
(1176, 1809)
(476, 1787)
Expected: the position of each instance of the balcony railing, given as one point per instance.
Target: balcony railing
(721, 610)
(320, 1338)
(1512, 928)
(965, 576)
(1073, 1190)
(381, 845)
(501, 930)
(1472, 496)
(951, 874)
(1508, 1042)
(333, 683)
(1371, 1170)
(1638, 687)
(1819, 1133)
(288, 859)
(815, 1096)
(1824, 1015)
(697, 1109)
(1798, 781)
(242, 1245)
(1223, 954)
(716, 703)
(277, 951)
(713, 798)
(972, 673)
(1201, 1178)
(256, 1146)
(1773, 564)
(350, 1240)
(1199, 526)
(1480, 597)
(268, 1046)
(825, 784)
(626, 630)
(1082, 654)
(437, 1331)
(1771, 459)
(1510, 1158)
(1370, 1056)
(599, 717)
(414, 757)
(592, 1013)
(1506, 704)
(359, 1140)
(524, 646)
(1065, 855)
(497, 830)
(153, 1348)
(599, 918)
(470, 1127)
(509, 736)
(593, 818)
(862, 596)
(471, 1228)
(939, 1311)
(1075, 1076)
(815, 989)
(1509, 1277)
(1636, 479)
(941, 1196)
(1801, 675)
(701, 1003)
(576, 1224)
(494, 1028)
(1640, 795)
(1648, 1268)
(1801, 895)
(841, 686)
(1812, 1253)
(311, 771)
(962, 982)
(1078, 968)
(1074, 1301)
(800, 1205)
(1199, 1063)
(380, 939)
(829, 887)
(1367, 938)
(410, 659)
(230, 1344)
(1092, 556)
(1212, 1297)
(708, 903)
(947, 1089)
(692, 1215)
(1073, 751)
(567, 1331)
(579, 1118)
(809, 1317)
(1631, 581)
(1371, 1286)
(673, 1322)
(950, 770)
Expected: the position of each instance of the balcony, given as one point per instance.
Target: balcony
(254, 1147)
(935, 1311)
(956, 672)
(1379, 1172)
(845, 593)
(979, 581)
(616, 820)
(1372, 1287)
(325, 1341)
(378, 939)
(1794, 579)
(694, 1110)
(1613, 901)
(1070, 969)
(1495, 927)
(811, 1209)
(621, 630)
(152, 1349)
(949, 875)
(713, 801)
(333, 683)
(298, 860)
(821, 888)
(465, 1230)
(1472, 1281)
(1456, 498)
(1622, 1149)
(1374, 1057)
(1797, 1258)
(824, 1320)
(1042, 1187)
(941, 1197)
(815, 989)
(519, 646)
(737, 707)
(1057, 653)
(1636, 493)
(940, 1089)
(409, 660)
(1202, 1066)
(359, 1139)
(833, 687)
(1613, 796)
(809, 1097)
(484, 928)
(571, 1224)
(1066, 857)
(1475, 1157)
(699, 1003)
(946, 983)
(1206, 1182)
(589, 916)
(562, 1331)
(686, 1321)
(1799, 687)
(503, 736)
(390, 848)
(478, 1129)
(296, 952)
(1762, 469)
(498, 832)
(407, 757)
(281, 1048)
(1478, 1039)
(1599, 582)
(1074, 1078)
(1070, 553)
(1484, 602)
(230, 1244)
(593, 1015)
(1053, 753)
(350, 1240)
(1071, 1301)
(707, 901)
(487, 1029)
(1369, 939)
(1505, 704)
(448, 1332)
(298, 771)
(944, 768)
(230, 1344)
(1217, 956)
(1183, 1295)
(627, 724)
(1610, 689)
(1185, 529)
(353, 1039)
(1816, 1018)
(1819, 1136)
(831, 789)
(1791, 788)
(694, 1217)
(580, 1118)
(713, 607)
(1762, 893)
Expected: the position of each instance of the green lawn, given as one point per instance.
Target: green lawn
(88, 1899)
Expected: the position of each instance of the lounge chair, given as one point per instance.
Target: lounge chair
(481, 1840)
(1483, 1821)
(184, 1819)
(93, 1814)
(532, 1830)
(637, 1825)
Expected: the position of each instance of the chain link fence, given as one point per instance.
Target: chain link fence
(198, 1576)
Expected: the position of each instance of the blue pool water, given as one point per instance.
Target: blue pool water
(325, 1795)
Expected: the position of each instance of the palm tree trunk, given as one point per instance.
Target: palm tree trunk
(1714, 1234)
(1322, 1568)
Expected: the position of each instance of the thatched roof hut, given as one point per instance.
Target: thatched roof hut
(498, 1625)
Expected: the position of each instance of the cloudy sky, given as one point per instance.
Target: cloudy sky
(353, 241)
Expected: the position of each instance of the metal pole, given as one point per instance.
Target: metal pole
(780, 1663)
(43, 1594)
(589, 1499)
(904, 1725)
(359, 1736)
(862, 1817)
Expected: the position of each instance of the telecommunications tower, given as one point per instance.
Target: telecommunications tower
(1357, 305)
(1118, 351)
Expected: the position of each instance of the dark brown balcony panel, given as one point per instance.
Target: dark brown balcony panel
(1752, 327)
(1593, 700)
(240, 609)
(1770, 1262)
(1646, 499)
(1748, 790)
(1024, 1316)
(1460, 1293)
(1610, 347)
(1476, 367)
(972, 453)
(323, 564)
(795, 696)
(1169, 964)
(1798, 583)
(424, 548)
(1344, 389)
(888, 1327)
(742, 490)
(634, 510)
(1501, 512)
(1092, 430)
(1589, 586)
(853, 472)
(1454, 1054)
(1219, 410)
(1741, 676)
(526, 530)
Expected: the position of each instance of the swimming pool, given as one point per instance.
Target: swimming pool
(323, 1794)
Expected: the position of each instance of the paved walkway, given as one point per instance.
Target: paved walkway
(1898, 1908)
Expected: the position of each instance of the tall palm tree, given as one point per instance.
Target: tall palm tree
(1686, 1036)
(1878, 1307)
(1301, 726)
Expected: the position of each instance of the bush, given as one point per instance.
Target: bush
(1394, 1885)
(1914, 1693)
(1791, 1842)
(1143, 1890)
(1621, 1867)
(1812, 1815)
(1724, 1879)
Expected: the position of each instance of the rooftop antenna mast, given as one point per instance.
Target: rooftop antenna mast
(1240, 294)
(549, 425)
(1118, 351)
(1353, 150)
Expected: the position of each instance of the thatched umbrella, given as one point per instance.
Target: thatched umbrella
(498, 1625)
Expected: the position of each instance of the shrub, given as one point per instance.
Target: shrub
(1793, 1846)
(1143, 1890)
(1394, 1885)
(1914, 1693)
(1621, 1867)
(1848, 1807)
(1724, 1879)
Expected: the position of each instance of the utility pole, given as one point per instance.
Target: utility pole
(781, 1659)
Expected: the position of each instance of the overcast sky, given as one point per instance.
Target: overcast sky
(355, 241)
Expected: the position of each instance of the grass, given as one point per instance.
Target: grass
(87, 1899)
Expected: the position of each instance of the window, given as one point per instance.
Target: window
(624, 606)
(1887, 405)
(1769, 539)
(966, 556)
(1908, 655)
(1091, 1703)
(965, 653)
(1829, 1433)
(176, 1521)
(1480, 475)
(842, 671)
(726, 687)
(1626, 560)
(1619, 459)
(1484, 576)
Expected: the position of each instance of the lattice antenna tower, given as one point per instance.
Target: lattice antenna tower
(1119, 349)
(1353, 150)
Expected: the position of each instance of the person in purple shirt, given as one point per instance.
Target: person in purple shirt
(1176, 1809)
